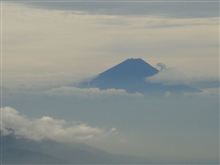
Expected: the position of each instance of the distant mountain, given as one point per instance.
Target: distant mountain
(24, 151)
(24, 156)
(131, 75)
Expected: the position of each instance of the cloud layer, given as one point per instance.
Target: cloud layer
(90, 92)
(54, 46)
(48, 128)
(176, 8)
(173, 76)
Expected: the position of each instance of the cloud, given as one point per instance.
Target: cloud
(173, 76)
(52, 47)
(161, 66)
(48, 128)
(176, 8)
(169, 76)
(207, 92)
(90, 92)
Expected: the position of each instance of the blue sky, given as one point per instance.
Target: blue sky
(49, 46)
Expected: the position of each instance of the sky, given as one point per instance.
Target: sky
(58, 43)
(50, 46)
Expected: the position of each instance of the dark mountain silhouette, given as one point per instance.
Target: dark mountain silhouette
(24, 151)
(131, 75)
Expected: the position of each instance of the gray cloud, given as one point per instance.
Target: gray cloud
(177, 8)
(161, 66)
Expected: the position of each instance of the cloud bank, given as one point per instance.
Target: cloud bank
(173, 76)
(90, 92)
(48, 128)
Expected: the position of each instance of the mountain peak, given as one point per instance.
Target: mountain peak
(134, 60)
(129, 72)
(131, 75)
(130, 68)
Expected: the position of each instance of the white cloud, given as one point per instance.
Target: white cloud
(90, 92)
(168, 76)
(173, 76)
(47, 127)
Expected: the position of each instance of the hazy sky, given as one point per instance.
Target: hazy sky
(63, 44)
(49, 46)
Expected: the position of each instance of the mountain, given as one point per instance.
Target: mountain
(131, 75)
(25, 151)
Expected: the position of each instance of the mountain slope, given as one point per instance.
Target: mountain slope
(24, 151)
(131, 75)
(130, 69)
